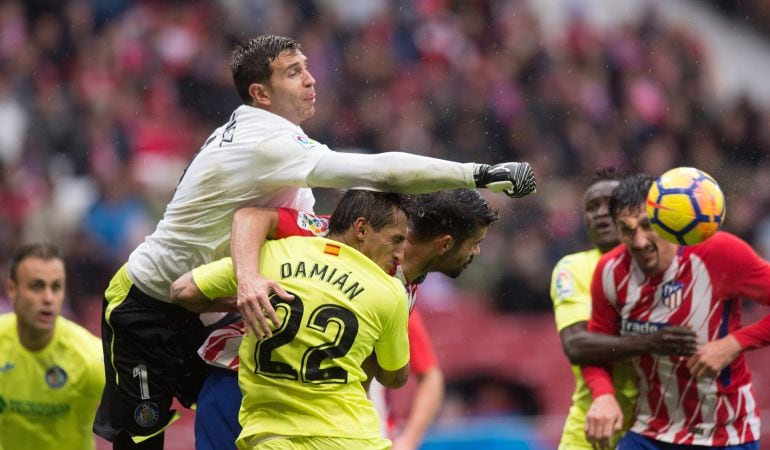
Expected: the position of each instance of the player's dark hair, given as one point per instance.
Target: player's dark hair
(606, 174)
(251, 61)
(631, 193)
(40, 250)
(378, 208)
(456, 212)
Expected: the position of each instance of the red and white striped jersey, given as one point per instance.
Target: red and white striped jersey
(220, 348)
(701, 289)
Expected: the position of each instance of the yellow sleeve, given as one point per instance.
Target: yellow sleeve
(96, 369)
(216, 279)
(570, 292)
(393, 346)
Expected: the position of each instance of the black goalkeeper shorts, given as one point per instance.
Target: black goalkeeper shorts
(150, 352)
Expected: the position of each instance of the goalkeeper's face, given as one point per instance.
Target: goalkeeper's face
(461, 254)
(290, 93)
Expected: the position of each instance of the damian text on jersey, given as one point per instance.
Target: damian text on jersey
(341, 280)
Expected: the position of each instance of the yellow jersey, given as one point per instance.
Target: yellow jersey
(48, 398)
(571, 296)
(306, 379)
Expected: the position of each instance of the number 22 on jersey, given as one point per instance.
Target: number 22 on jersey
(325, 318)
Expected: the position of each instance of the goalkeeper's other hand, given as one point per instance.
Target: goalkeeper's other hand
(515, 179)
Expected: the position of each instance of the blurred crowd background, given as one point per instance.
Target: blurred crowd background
(104, 102)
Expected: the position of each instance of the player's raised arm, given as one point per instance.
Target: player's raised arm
(414, 174)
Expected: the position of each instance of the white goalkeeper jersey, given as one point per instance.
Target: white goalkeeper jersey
(256, 159)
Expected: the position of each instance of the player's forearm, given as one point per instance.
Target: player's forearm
(427, 400)
(586, 347)
(185, 293)
(391, 171)
(598, 380)
(251, 227)
(223, 304)
(756, 335)
(392, 379)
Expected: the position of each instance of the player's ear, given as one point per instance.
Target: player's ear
(10, 289)
(260, 95)
(360, 227)
(445, 243)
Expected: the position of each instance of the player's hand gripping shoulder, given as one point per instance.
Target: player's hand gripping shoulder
(603, 420)
(515, 179)
(253, 303)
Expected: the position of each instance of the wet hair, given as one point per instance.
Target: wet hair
(606, 174)
(40, 250)
(631, 193)
(378, 208)
(457, 212)
(251, 61)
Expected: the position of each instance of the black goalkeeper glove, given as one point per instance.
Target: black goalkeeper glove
(516, 179)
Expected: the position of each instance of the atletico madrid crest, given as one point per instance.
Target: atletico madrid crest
(671, 293)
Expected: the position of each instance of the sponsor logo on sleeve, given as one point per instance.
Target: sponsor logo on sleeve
(6, 367)
(564, 285)
(306, 141)
(312, 223)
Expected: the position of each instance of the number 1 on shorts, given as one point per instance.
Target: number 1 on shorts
(144, 387)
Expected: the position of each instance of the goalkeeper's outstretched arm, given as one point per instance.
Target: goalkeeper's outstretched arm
(414, 174)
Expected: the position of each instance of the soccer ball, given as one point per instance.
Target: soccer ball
(685, 206)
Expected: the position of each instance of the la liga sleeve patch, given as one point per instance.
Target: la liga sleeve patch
(306, 141)
(564, 285)
(318, 226)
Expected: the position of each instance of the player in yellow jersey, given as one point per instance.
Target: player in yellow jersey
(303, 386)
(571, 296)
(51, 369)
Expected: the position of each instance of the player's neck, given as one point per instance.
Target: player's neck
(411, 270)
(34, 340)
(343, 238)
(418, 258)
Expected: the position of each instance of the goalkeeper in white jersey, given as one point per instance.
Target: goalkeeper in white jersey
(259, 158)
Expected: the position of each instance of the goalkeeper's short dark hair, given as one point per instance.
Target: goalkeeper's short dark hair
(251, 61)
(457, 212)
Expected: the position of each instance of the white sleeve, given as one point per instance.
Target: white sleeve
(286, 159)
(391, 171)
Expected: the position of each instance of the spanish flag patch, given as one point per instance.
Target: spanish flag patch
(331, 249)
